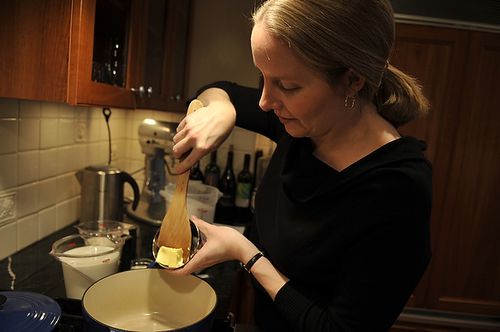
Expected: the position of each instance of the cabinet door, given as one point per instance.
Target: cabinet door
(459, 70)
(34, 44)
(89, 81)
(432, 55)
(159, 34)
(467, 261)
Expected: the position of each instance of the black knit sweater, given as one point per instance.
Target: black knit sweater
(353, 243)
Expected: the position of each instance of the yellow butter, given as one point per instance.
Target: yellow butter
(171, 257)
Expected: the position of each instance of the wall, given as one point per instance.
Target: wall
(218, 53)
(41, 146)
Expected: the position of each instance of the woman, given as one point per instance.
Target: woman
(342, 213)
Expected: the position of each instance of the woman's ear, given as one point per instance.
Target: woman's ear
(355, 81)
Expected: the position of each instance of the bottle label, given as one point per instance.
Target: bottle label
(243, 193)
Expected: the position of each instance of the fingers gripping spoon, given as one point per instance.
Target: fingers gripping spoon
(174, 238)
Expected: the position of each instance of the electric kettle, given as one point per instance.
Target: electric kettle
(102, 193)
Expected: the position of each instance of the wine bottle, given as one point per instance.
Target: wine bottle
(195, 174)
(212, 171)
(244, 185)
(227, 183)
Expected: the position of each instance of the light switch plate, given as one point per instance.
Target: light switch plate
(7, 207)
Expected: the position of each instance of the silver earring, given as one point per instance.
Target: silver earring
(349, 102)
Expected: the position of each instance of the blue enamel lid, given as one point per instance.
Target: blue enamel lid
(27, 311)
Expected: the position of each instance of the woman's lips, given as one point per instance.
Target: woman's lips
(283, 119)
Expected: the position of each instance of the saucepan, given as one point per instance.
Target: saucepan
(149, 300)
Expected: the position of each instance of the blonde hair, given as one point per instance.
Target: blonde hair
(331, 36)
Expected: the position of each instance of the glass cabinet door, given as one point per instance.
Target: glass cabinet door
(111, 34)
(155, 46)
(129, 53)
(160, 51)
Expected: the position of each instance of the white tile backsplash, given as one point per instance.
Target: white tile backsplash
(95, 130)
(67, 187)
(65, 160)
(47, 192)
(28, 167)
(48, 133)
(66, 213)
(8, 135)
(67, 111)
(80, 156)
(46, 222)
(27, 231)
(48, 163)
(49, 110)
(66, 132)
(8, 171)
(29, 134)
(29, 109)
(97, 153)
(27, 199)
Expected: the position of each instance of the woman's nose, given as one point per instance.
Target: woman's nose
(267, 102)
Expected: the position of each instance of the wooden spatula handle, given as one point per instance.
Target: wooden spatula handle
(175, 230)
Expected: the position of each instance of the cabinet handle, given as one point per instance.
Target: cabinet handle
(140, 91)
(176, 97)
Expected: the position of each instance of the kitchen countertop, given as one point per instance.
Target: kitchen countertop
(36, 271)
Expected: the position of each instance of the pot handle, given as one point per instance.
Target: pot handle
(128, 178)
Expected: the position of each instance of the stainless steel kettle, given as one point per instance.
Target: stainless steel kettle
(102, 192)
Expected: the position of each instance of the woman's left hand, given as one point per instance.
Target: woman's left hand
(222, 244)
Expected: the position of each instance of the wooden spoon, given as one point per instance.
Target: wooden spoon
(175, 230)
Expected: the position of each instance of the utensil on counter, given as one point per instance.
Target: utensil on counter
(102, 192)
(149, 300)
(175, 231)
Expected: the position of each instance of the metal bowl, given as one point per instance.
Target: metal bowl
(197, 241)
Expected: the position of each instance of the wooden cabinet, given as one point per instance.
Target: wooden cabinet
(459, 71)
(52, 50)
(160, 49)
(34, 49)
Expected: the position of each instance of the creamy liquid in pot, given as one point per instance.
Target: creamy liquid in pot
(81, 272)
(146, 322)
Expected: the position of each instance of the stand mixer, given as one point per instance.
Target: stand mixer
(155, 138)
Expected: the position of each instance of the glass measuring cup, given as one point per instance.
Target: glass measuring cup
(86, 259)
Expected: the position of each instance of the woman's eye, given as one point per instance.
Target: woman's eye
(287, 87)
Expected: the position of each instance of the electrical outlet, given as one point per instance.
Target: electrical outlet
(80, 131)
(7, 207)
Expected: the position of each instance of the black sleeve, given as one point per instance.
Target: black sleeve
(248, 113)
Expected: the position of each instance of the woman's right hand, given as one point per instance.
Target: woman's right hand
(205, 130)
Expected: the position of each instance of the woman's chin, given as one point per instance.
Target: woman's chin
(294, 130)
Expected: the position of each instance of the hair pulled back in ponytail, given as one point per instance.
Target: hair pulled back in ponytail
(399, 98)
(331, 35)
